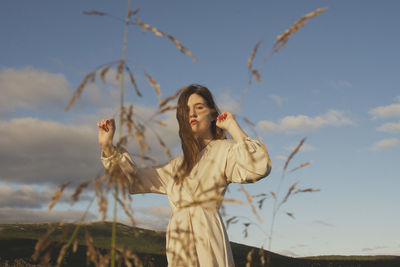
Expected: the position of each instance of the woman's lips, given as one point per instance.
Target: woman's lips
(193, 122)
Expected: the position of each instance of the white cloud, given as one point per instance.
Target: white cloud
(385, 144)
(12, 215)
(303, 123)
(383, 112)
(278, 100)
(35, 151)
(226, 102)
(32, 89)
(28, 197)
(390, 127)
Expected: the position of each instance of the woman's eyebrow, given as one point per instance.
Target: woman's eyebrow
(199, 103)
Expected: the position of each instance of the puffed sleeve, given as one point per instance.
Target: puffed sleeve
(141, 180)
(247, 162)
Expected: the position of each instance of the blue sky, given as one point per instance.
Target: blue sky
(335, 82)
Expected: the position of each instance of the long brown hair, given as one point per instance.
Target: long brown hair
(190, 144)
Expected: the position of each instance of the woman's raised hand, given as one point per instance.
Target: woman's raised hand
(106, 132)
(224, 120)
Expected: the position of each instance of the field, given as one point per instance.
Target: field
(17, 245)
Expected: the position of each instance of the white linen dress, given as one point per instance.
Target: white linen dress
(196, 234)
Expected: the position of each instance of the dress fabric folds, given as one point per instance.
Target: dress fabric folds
(196, 235)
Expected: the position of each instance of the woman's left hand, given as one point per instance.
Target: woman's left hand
(225, 120)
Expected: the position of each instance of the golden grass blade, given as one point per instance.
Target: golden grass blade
(133, 12)
(282, 39)
(120, 69)
(160, 123)
(289, 193)
(306, 190)
(249, 122)
(164, 146)
(133, 81)
(155, 85)
(290, 215)
(127, 211)
(43, 242)
(261, 202)
(249, 258)
(79, 91)
(91, 252)
(75, 246)
(273, 195)
(94, 12)
(253, 54)
(79, 190)
(250, 201)
(231, 220)
(166, 100)
(294, 153)
(301, 166)
(257, 74)
(169, 36)
(58, 194)
(103, 73)
(167, 108)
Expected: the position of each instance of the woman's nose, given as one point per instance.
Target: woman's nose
(192, 113)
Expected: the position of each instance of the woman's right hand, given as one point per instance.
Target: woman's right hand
(106, 132)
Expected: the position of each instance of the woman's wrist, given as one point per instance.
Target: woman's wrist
(108, 150)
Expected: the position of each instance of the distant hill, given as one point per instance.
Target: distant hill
(17, 242)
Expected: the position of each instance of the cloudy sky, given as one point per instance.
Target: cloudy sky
(334, 83)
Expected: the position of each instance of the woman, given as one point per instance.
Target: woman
(195, 182)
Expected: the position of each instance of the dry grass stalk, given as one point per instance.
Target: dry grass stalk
(167, 108)
(250, 201)
(169, 36)
(257, 74)
(231, 220)
(282, 39)
(249, 258)
(245, 229)
(91, 252)
(58, 194)
(94, 12)
(127, 211)
(43, 243)
(103, 73)
(79, 91)
(78, 191)
(155, 85)
(293, 153)
(63, 250)
(120, 69)
(249, 122)
(290, 214)
(75, 246)
(306, 190)
(133, 81)
(261, 202)
(170, 98)
(288, 193)
(160, 123)
(301, 166)
(101, 199)
(164, 146)
(139, 130)
(128, 255)
(133, 12)
(253, 54)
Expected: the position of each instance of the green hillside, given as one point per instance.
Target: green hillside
(17, 242)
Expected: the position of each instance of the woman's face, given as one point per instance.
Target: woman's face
(199, 117)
